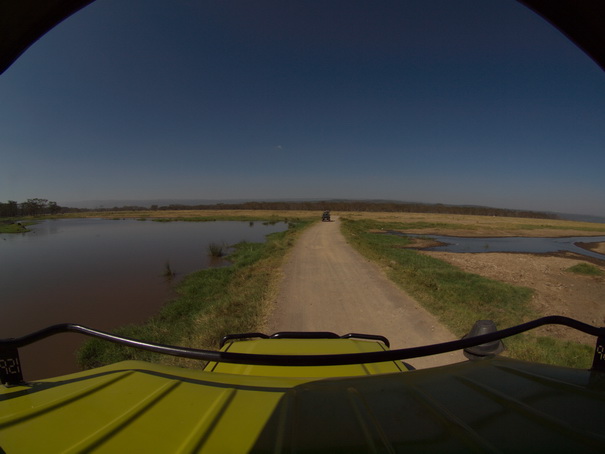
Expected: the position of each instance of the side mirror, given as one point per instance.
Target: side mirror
(484, 350)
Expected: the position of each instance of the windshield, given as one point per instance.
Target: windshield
(333, 108)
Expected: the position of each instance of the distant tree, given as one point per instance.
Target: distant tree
(34, 207)
(53, 208)
(9, 209)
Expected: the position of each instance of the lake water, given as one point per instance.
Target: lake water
(99, 273)
(512, 244)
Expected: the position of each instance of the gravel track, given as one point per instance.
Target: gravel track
(328, 286)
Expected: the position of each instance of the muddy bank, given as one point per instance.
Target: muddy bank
(423, 243)
(594, 247)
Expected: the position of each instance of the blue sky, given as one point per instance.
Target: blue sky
(467, 102)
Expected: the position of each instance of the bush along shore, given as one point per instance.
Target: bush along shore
(208, 305)
(459, 298)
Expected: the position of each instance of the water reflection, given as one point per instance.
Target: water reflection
(511, 244)
(101, 273)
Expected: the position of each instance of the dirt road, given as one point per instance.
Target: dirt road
(328, 286)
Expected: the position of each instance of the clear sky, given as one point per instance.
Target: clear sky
(466, 102)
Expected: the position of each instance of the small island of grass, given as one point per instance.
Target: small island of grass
(14, 227)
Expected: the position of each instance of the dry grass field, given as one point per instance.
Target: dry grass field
(483, 226)
(427, 223)
(183, 214)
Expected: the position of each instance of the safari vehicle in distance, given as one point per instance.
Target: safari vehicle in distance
(325, 217)
(304, 392)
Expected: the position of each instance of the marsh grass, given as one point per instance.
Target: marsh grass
(209, 304)
(168, 273)
(459, 298)
(586, 269)
(216, 250)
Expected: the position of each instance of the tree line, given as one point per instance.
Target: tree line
(38, 207)
(31, 207)
(369, 206)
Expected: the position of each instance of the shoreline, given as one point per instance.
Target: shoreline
(598, 247)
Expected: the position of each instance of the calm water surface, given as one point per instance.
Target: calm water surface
(99, 273)
(513, 244)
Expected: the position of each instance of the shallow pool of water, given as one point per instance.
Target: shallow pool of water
(100, 273)
(512, 244)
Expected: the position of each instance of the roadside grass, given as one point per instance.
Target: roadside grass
(208, 305)
(459, 298)
(586, 269)
(549, 350)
